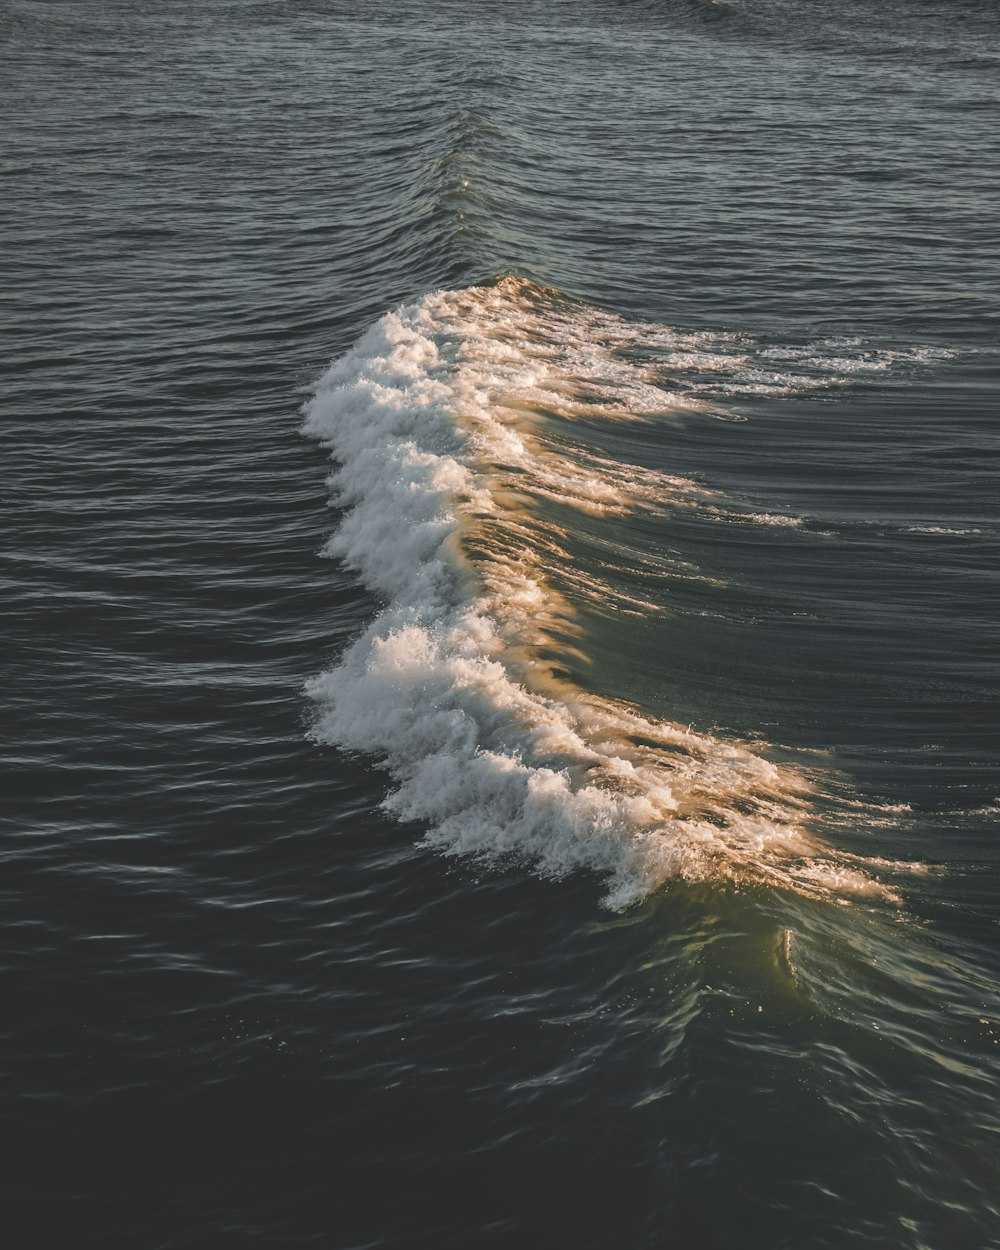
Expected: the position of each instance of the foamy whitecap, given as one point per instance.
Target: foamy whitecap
(435, 419)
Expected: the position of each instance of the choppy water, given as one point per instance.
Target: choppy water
(600, 847)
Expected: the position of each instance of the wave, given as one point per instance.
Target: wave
(452, 422)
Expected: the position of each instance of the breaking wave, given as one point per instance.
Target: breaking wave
(452, 424)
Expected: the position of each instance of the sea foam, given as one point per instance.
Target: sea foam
(433, 421)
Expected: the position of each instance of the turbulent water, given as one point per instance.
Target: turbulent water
(599, 846)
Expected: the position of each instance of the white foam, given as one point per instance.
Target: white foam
(773, 520)
(948, 531)
(777, 520)
(436, 420)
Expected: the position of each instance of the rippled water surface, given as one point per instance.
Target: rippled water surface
(569, 817)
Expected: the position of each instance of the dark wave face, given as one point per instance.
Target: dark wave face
(599, 847)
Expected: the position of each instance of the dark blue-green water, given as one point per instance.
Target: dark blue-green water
(576, 822)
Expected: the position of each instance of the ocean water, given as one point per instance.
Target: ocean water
(502, 624)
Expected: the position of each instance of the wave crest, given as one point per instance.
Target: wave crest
(437, 419)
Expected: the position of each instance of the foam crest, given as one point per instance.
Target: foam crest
(439, 421)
